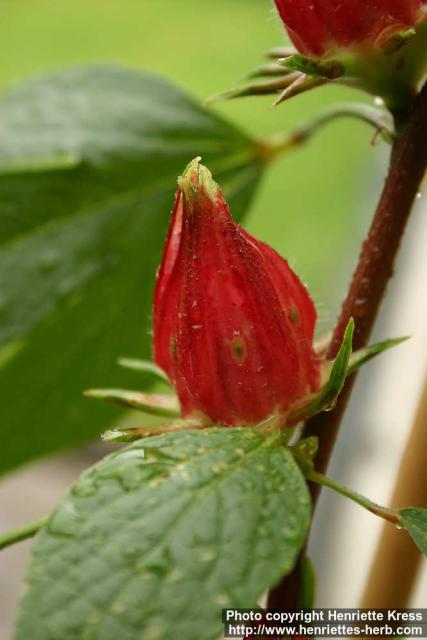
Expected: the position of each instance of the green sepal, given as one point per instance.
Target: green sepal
(397, 41)
(280, 52)
(360, 357)
(415, 523)
(329, 394)
(267, 71)
(391, 68)
(345, 364)
(301, 84)
(272, 86)
(132, 434)
(327, 397)
(326, 69)
(159, 404)
(144, 366)
(123, 435)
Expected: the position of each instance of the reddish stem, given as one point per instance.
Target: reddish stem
(408, 164)
(376, 262)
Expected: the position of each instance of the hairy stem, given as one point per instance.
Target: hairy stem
(22, 533)
(408, 164)
(376, 262)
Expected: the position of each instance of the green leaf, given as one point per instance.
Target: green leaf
(415, 522)
(156, 539)
(90, 159)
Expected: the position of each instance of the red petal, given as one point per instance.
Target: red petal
(167, 289)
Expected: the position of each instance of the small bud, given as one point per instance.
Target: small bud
(233, 325)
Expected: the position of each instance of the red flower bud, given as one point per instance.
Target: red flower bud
(317, 27)
(233, 325)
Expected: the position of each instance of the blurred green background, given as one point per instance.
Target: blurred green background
(315, 202)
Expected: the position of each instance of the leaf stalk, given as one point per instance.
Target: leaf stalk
(22, 533)
(391, 515)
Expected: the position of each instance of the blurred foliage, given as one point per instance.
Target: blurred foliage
(88, 172)
(314, 203)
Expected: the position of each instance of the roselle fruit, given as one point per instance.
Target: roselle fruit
(317, 27)
(233, 324)
(378, 46)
